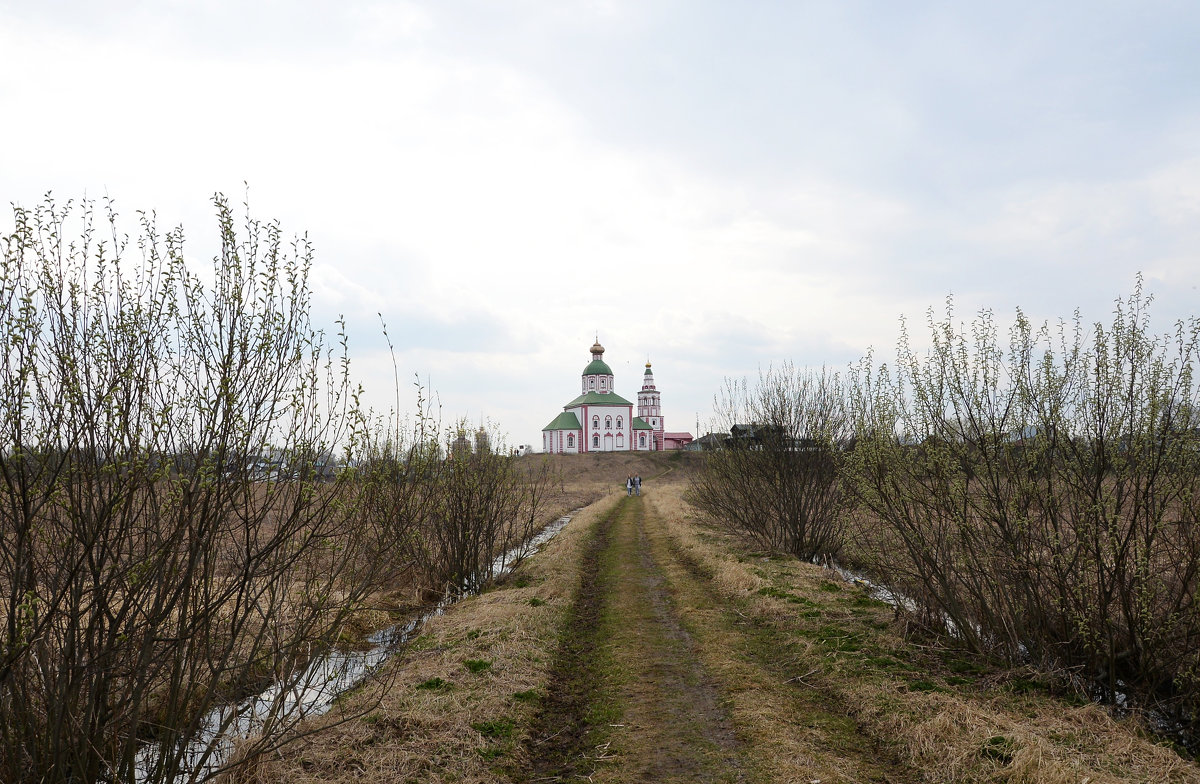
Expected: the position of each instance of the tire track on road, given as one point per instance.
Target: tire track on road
(628, 700)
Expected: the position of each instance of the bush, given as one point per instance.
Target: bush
(776, 481)
(487, 504)
(192, 503)
(172, 534)
(1039, 500)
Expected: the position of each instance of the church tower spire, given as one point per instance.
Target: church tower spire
(650, 406)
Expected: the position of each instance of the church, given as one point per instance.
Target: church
(600, 420)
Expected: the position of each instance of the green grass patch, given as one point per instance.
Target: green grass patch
(965, 667)
(527, 696)
(522, 582)
(536, 602)
(477, 665)
(847, 644)
(998, 748)
(603, 712)
(863, 600)
(921, 684)
(1026, 686)
(830, 587)
(496, 729)
(434, 684)
(422, 643)
(776, 593)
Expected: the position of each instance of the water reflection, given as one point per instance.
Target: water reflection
(314, 692)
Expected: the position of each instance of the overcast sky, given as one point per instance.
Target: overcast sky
(717, 186)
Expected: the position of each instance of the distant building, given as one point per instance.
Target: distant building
(707, 442)
(600, 420)
(461, 445)
(676, 440)
(483, 442)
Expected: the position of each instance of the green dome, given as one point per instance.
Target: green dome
(597, 367)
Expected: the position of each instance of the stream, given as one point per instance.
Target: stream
(314, 692)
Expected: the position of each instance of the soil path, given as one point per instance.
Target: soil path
(675, 727)
(628, 699)
(654, 672)
(562, 739)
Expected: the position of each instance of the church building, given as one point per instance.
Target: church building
(600, 420)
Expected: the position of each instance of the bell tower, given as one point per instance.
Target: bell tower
(650, 406)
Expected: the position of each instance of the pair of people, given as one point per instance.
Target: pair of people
(633, 485)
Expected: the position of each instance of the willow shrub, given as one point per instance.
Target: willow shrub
(470, 502)
(776, 481)
(172, 536)
(1038, 497)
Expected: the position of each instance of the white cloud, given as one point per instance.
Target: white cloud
(717, 188)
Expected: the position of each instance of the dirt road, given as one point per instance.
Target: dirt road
(646, 644)
(654, 670)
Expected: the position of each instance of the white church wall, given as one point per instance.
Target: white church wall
(601, 429)
(561, 442)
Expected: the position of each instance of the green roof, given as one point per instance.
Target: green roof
(564, 421)
(598, 399)
(597, 367)
(641, 424)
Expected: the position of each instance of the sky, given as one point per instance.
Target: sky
(715, 187)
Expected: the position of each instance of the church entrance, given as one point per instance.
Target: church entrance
(608, 442)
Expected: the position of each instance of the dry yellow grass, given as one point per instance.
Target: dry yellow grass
(809, 710)
(432, 734)
(953, 736)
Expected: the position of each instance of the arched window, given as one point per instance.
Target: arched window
(618, 423)
(596, 422)
(591, 383)
(595, 442)
(570, 440)
(608, 423)
(642, 440)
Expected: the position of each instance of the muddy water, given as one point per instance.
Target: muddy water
(313, 693)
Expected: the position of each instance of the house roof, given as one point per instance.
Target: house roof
(641, 424)
(564, 421)
(598, 399)
(677, 436)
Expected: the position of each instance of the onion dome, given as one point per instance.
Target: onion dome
(597, 367)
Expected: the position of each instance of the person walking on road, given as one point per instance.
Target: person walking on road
(629, 485)
(637, 484)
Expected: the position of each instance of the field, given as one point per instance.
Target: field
(643, 644)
